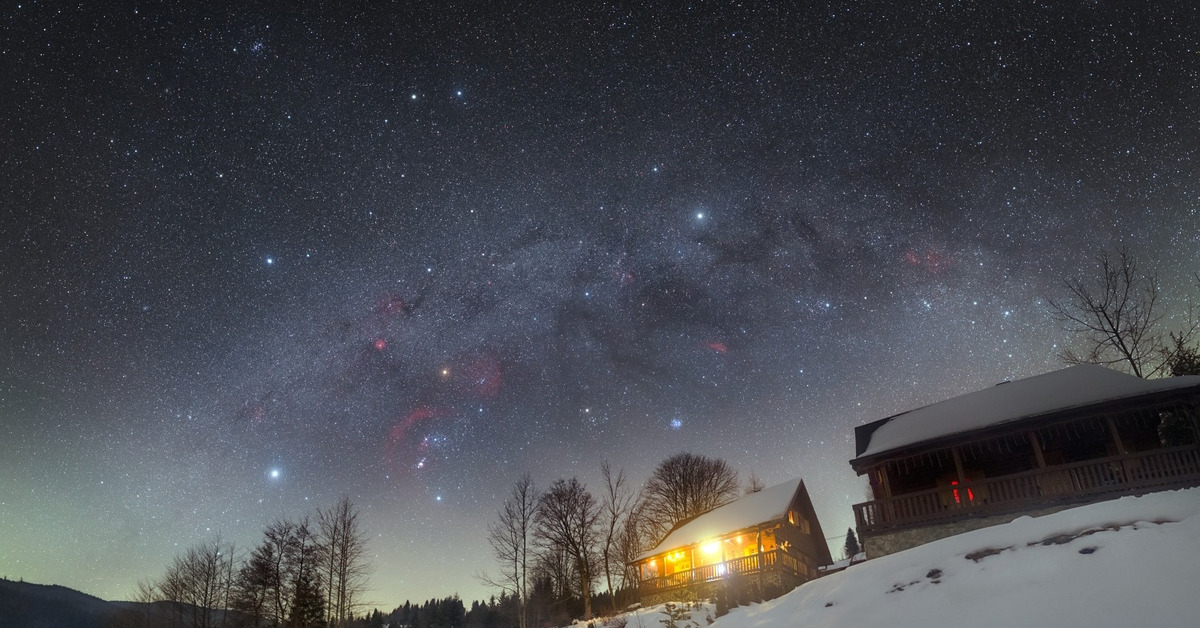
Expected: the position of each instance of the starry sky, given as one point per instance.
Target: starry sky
(255, 259)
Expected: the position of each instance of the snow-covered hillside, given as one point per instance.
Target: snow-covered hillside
(1130, 562)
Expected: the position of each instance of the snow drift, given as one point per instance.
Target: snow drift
(1133, 561)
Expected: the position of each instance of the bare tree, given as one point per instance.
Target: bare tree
(144, 612)
(631, 542)
(197, 581)
(1118, 321)
(684, 486)
(510, 538)
(281, 577)
(343, 547)
(566, 520)
(616, 504)
(754, 484)
(282, 539)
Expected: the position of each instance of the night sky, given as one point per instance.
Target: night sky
(256, 259)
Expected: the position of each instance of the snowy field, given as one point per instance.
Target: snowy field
(1130, 562)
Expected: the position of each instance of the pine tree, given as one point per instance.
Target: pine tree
(852, 548)
(308, 606)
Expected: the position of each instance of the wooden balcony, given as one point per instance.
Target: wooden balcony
(745, 565)
(1077, 482)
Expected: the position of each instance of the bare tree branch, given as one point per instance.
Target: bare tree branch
(510, 538)
(566, 522)
(684, 486)
(617, 502)
(1118, 320)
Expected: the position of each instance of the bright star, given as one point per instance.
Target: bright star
(270, 261)
(275, 473)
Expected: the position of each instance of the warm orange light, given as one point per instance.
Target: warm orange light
(711, 547)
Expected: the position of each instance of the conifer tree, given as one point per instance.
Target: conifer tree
(852, 548)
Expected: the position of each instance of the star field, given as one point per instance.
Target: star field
(254, 260)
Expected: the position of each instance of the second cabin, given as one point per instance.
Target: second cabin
(771, 538)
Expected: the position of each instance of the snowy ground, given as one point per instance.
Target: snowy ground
(1129, 562)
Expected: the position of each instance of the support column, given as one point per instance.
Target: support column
(1036, 444)
(1116, 436)
(962, 476)
(884, 482)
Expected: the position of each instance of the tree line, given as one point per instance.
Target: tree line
(308, 573)
(556, 547)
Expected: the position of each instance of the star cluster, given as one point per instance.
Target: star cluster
(254, 260)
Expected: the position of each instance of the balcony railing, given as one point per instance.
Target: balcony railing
(1130, 473)
(744, 565)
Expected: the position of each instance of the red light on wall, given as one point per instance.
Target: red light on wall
(957, 499)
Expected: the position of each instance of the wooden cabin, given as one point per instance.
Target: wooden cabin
(771, 538)
(1033, 446)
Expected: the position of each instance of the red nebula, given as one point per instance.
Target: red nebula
(624, 277)
(255, 411)
(717, 346)
(932, 260)
(380, 344)
(399, 437)
(390, 305)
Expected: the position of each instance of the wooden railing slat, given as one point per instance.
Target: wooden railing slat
(743, 565)
(1063, 482)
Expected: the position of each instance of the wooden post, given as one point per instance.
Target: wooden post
(1112, 429)
(1037, 450)
(962, 476)
(885, 483)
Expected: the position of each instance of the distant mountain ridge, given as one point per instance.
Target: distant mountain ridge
(29, 605)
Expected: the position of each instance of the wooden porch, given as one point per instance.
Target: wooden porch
(1159, 469)
(754, 564)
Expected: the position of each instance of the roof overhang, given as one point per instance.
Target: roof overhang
(862, 464)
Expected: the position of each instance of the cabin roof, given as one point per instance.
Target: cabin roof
(766, 505)
(1073, 387)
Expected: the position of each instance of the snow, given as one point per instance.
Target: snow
(1072, 387)
(690, 615)
(766, 505)
(1126, 562)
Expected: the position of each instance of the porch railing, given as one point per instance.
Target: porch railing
(1130, 473)
(743, 565)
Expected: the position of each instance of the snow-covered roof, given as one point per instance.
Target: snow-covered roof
(1073, 387)
(768, 504)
